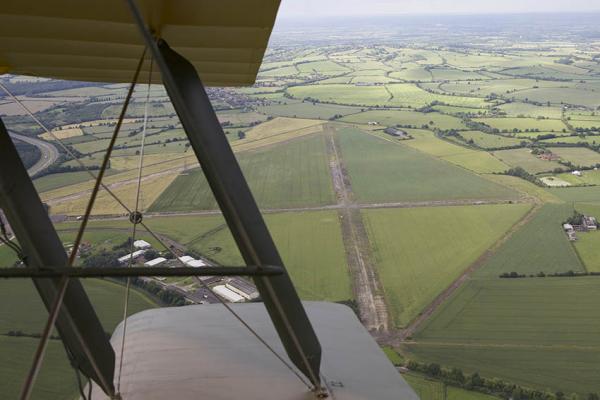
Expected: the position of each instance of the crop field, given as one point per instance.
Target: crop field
(531, 110)
(588, 177)
(524, 159)
(28, 314)
(381, 171)
(391, 94)
(539, 246)
(580, 156)
(557, 96)
(488, 141)
(293, 174)
(426, 389)
(526, 188)
(527, 331)
(474, 160)
(544, 125)
(589, 194)
(593, 140)
(307, 110)
(151, 189)
(404, 118)
(588, 249)
(416, 261)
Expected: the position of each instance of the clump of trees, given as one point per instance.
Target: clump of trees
(521, 173)
(493, 386)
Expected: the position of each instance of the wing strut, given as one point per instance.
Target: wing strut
(78, 325)
(235, 199)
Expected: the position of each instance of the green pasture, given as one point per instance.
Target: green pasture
(298, 109)
(508, 124)
(299, 236)
(405, 117)
(28, 315)
(525, 159)
(489, 141)
(528, 331)
(293, 174)
(462, 156)
(579, 156)
(383, 170)
(420, 251)
(539, 246)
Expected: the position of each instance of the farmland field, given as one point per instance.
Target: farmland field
(578, 155)
(527, 331)
(549, 125)
(404, 118)
(381, 171)
(539, 246)
(473, 160)
(488, 141)
(420, 251)
(298, 235)
(426, 389)
(28, 314)
(525, 159)
(290, 175)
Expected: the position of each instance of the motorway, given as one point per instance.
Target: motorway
(49, 153)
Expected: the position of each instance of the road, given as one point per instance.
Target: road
(49, 153)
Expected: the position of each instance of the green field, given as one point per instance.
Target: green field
(420, 251)
(473, 160)
(391, 94)
(587, 194)
(540, 246)
(525, 159)
(579, 156)
(588, 249)
(426, 389)
(298, 236)
(28, 314)
(404, 118)
(544, 125)
(293, 174)
(298, 109)
(488, 141)
(538, 332)
(383, 171)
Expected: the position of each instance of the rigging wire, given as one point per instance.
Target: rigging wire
(135, 218)
(158, 238)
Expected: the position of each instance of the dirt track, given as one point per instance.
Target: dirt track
(367, 288)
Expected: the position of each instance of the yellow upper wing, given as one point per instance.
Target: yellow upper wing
(96, 40)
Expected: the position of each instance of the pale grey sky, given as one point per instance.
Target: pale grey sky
(328, 8)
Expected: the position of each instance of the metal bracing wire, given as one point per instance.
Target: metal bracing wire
(135, 218)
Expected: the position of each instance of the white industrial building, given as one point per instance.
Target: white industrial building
(141, 244)
(133, 256)
(186, 259)
(155, 262)
(196, 263)
(227, 294)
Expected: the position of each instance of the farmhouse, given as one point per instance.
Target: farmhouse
(589, 223)
(576, 173)
(372, 123)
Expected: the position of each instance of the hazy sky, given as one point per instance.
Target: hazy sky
(327, 8)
